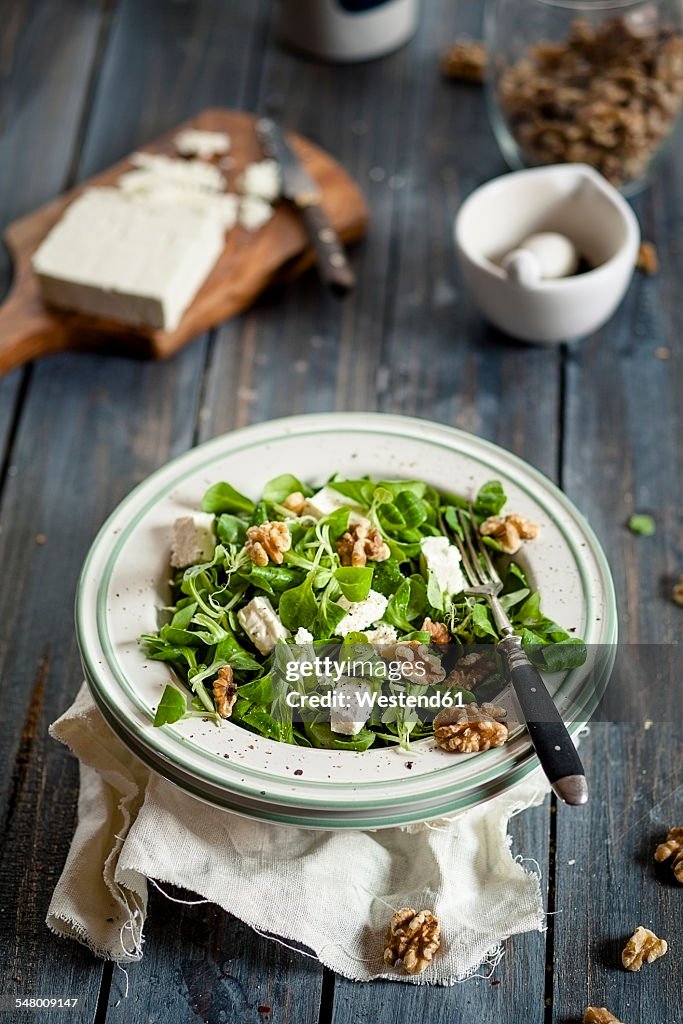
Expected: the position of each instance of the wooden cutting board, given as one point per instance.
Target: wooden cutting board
(249, 263)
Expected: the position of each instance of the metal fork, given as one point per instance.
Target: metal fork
(552, 743)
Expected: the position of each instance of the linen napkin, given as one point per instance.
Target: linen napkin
(332, 892)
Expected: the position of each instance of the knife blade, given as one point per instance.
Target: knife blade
(299, 188)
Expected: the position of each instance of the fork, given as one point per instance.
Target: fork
(549, 736)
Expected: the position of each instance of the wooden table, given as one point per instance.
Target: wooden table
(85, 82)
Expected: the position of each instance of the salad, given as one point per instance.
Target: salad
(367, 568)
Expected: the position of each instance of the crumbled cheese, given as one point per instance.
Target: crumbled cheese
(348, 720)
(194, 142)
(254, 212)
(361, 614)
(443, 560)
(327, 500)
(135, 262)
(302, 636)
(261, 179)
(195, 173)
(193, 540)
(383, 634)
(260, 622)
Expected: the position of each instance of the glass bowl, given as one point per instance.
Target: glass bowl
(585, 81)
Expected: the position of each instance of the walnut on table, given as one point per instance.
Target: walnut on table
(437, 630)
(642, 948)
(267, 543)
(224, 691)
(471, 729)
(677, 592)
(599, 1015)
(509, 531)
(672, 848)
(362, 543)
(647, 260)
(465, 60)
(412, 938)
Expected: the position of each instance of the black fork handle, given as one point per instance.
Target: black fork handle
(553, 744)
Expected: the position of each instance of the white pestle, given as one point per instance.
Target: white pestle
(546, 255)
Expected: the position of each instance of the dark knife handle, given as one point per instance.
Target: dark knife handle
(333, 266)
(553, 744)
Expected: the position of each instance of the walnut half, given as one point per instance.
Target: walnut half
(672, 848)
(413, 937)
(224, 691)
(599, 1015)
(470, 729)
(267, 542)
(642, 948)
(437, 630)
(509, 531)
(362, 543)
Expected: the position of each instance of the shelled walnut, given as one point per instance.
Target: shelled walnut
(599, 1015)
(295, 502)
(647, 260)
(418, 664)
(465, 60)
(672, 849)
(471, 669)
(642, 948)
(413, 937)
(362, 543)
(509, 531)
(437, 630)
(677, 591)
(224, 692)
(471, 729)
(268, 542)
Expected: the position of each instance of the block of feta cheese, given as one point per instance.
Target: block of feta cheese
(352, 707)
(442, 559)
(254, 212)
(261, 179)
(361, 614)
(135, 262)
(195, 142)
(193, 540)
(260, 622)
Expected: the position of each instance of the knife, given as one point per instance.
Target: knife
(299, 188)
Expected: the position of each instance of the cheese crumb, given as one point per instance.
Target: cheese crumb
(194, 142)
(261, 179)
(361, 614)
(254, 213)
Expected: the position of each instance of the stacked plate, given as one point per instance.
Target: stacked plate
(124, 583)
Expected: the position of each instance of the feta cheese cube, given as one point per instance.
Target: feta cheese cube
(195, 142)
(302, 636)
(442, 559)
(383, 634)
(261, 179)
(361, 614)
(138, 263)
(328, 500)
(193, 540)
(260, 622)
(352, 707)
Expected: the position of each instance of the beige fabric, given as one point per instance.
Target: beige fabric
(333, 892)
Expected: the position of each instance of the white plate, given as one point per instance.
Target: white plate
(123, 585)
